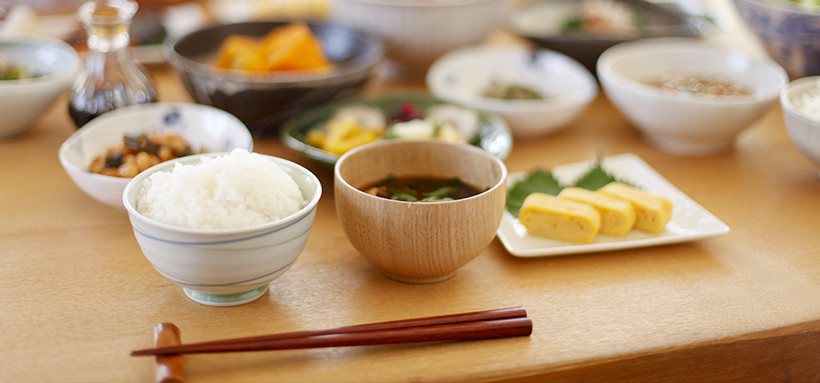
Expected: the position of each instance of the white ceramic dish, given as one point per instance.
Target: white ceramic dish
(803, 128)
(689, 220)
(205, 129)
(416, 32)
(684, 123)
(464, 75)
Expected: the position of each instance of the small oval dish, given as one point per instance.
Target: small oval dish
(491, 132)
(204, 128)
(561, 87)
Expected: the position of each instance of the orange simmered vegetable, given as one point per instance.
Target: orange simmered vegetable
(287, 48)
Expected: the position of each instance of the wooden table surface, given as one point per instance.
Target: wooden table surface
(78, 295)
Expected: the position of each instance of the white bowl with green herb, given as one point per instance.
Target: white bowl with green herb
(34, 72)
(535, 92)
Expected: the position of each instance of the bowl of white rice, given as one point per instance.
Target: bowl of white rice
(800, 101)
(223, 225)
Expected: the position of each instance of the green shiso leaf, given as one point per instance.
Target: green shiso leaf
(537, 181)
(595, 178)
(540, 181)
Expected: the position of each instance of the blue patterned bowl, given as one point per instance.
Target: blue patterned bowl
(788, 31)
(224, 267)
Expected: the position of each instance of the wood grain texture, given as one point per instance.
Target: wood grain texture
(419, 242)
(737, 308)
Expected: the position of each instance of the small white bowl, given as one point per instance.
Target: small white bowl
(205, 129)
(224, 267)
(416, 32)
(687, 124)
(23, 101)
(462, 76)
(803, 127)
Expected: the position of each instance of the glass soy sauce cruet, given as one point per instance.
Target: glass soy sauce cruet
(112, 77)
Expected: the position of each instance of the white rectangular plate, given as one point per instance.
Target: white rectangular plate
(689, 220)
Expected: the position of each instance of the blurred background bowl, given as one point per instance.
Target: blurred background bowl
(465, 75)
(788, 31)
(225, 267)
(416, 32)
(543, 22)
(419, 242)
(686, 123)
(205, 129)
(53, 65)
(801, 113)
(265, 101)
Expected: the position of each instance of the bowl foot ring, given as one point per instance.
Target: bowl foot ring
(417, 280)
(210, 299)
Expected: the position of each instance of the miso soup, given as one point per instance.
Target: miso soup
(421, 189)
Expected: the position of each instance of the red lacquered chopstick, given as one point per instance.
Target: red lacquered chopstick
(476, 325)
(510, 312)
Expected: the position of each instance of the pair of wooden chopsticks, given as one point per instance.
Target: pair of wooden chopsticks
(498, 323)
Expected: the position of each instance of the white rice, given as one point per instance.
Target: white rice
(809, 103)
(232, 191)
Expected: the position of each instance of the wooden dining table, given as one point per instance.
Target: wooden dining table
(78, 295)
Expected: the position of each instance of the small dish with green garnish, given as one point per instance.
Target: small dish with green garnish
(537, 92)
(36, 71)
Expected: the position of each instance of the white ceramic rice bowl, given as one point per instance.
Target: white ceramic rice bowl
(205, 128)
(462, 76)
(686, 124)
(224, 267)
(803, 128)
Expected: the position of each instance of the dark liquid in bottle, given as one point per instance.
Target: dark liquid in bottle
(82, 114)
(80, 117)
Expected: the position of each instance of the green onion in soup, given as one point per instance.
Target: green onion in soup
(421, 189)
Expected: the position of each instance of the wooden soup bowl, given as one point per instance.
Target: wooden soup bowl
(419, 242)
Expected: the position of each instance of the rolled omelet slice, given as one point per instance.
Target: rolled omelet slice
(548, 216)
(617, 215)
(652, 212)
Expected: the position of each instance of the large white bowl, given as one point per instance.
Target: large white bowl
(416, 32)
(205, 129)
(687, 124)
(224, 267)
(462, 76)
(803, 127)
(23, 101)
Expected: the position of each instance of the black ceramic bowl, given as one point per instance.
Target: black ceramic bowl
(788, 31)
(265, 101)
(540, 22)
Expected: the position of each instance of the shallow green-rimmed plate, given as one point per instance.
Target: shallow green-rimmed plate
(493, 134)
